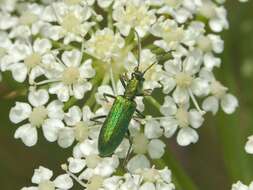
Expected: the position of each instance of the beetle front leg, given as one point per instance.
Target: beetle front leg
(96, 119)
(146, 92)
(105, 95)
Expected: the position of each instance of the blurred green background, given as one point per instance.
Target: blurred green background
(215, 162)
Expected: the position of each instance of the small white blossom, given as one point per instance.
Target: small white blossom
(170, 32)
(228, 102)
(79, 127)
(69, 75)
(181, 75)
(179, 117)
(105, 45)
(36, 116)
(147, 143)
(42, 178)
(133, 14)
(72, 21)
(23, 59)
(217, 16)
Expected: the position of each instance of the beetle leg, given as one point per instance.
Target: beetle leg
(128, 136)
(139, 114)
(108, 96)
(146, 92)
(96, 119)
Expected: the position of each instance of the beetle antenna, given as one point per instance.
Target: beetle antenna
(149, 67)
(139, 50)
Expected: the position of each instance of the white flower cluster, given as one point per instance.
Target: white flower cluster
(71, 52)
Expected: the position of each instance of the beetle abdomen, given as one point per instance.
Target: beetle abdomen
(115, 126)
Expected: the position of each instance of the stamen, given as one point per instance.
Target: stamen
(202, 112)
(65, 168)
(47, 81)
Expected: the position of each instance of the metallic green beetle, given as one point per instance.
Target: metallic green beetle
(115, 126)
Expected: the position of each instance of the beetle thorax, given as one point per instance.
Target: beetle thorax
(133, 87)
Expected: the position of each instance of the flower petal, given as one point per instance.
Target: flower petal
(73, 116)
(63, 181)
(156, 149)
(249, 145)
(187, 136)
(51, 129)
(19, 72)
(195, 118)
(181, 95)
(41, 174)
(211, 104)
(71, 58)
(229, 103)
(80, 89)
(55, 110)
(76, 165)
(169, 107)
(38, 98)
(66, 137)
(20, 112)
(42, 45)
(153, 129)
(138, 162)
(28, 134)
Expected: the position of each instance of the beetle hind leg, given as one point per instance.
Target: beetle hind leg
(128, 136)
(139, 114)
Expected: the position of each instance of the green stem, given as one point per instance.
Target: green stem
(109, 18)
(69, 103)
(181, 179)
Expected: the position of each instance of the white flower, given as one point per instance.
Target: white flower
(174, 8)
(182, 75)
(147, 143)
(72, 21)
(79, 127)
(24, 59)
(92, 181)
(36, 116)
(42, 177)
(217, 16)
(180, 117)
(170, 32)
(68, 77)
(28, 22)
(105, 45)
(228, 102)
(133, 14)
(209, 44)
(155, 179)
(90, 164)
